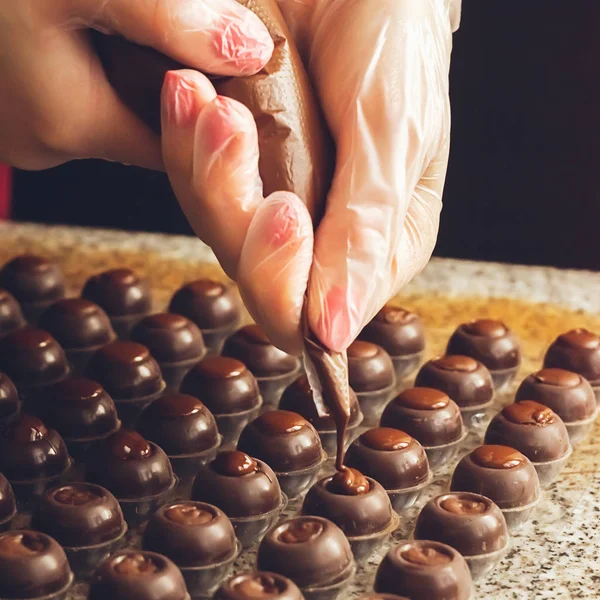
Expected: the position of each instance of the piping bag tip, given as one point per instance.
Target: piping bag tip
(327, 373)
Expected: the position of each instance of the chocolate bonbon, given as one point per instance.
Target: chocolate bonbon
(138, 575)
(470, 523)
(254, 585)
(395, 460)
(130, 374)
(400, 333)
(289, 444)
(11, 316)
(298, 398)
(245, 488)
(8, 504)
(432, 418)
(81, 411)
(32, 456)
(568, 394)
(537, 432)
(274, 369)
(490, 342)
(10, 403)
(135, 470)
(199, 538)
(425, 570)
(505, 476)
(80, 326)
(35, 281)
(213, 306)
(85, 519)
(228, 389)
(577, 350)
(358, 505)
(184, 428)
(33, 566)
(174, 341)
(311, 551)
(124, 296)
(464, 379)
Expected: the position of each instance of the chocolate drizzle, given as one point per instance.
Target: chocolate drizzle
(327, 373)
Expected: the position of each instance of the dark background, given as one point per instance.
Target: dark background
(522, 184)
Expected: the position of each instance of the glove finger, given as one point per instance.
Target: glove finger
(274, 267)
(215, 36)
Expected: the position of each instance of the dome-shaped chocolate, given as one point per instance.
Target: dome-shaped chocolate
(32, 357)
(29, 450)
(257, 585)
(179, 424)
(311, 551)
(32, 565)
(251, 346)
(77, 324)
(8, 505)
(210, 304)
(223, 384)
(577, 350)
(129, 466)
(126, 370)
(137, 575)
(79, 514)
(389, 456)
(284, 440)
(370, 367)
(11, 316)
(191, 534)
(239, 485)
(9, 398)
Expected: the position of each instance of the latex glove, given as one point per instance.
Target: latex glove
(55, 102)
(381, 70)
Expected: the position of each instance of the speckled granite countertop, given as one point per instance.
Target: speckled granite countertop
(555, 554)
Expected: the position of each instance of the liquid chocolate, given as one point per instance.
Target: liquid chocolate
(259, 585)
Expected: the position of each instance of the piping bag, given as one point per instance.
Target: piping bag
(296, 154)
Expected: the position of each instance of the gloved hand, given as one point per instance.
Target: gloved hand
(381, 70)
(56, 103)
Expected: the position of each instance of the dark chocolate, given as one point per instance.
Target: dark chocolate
(464, 379)
(79, 515)
(29, 450)
(356, 504)
(179, 424)
(191, 534)
(32, 565)
(210, 304)
(311, 551)
(137, 575)
(32, 357)
(251, 346)
(398, 331)
(298, 398)
(503, 474)
(567, 393)
(129, 466)
(470, 523)
(170, 338)
(389, 456)
(225, 385)
(425, 570)
(126, 370)
(370, 367)
(531, 428)
(79, 409)
(8, 504)
(120, 292)
(258, 585)
(33, 279)
(239, 485)
(11, 316)
(9, 398)
(577, 350)
(489, 341)
(426, 414)
(284, 440)
(77, 324)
